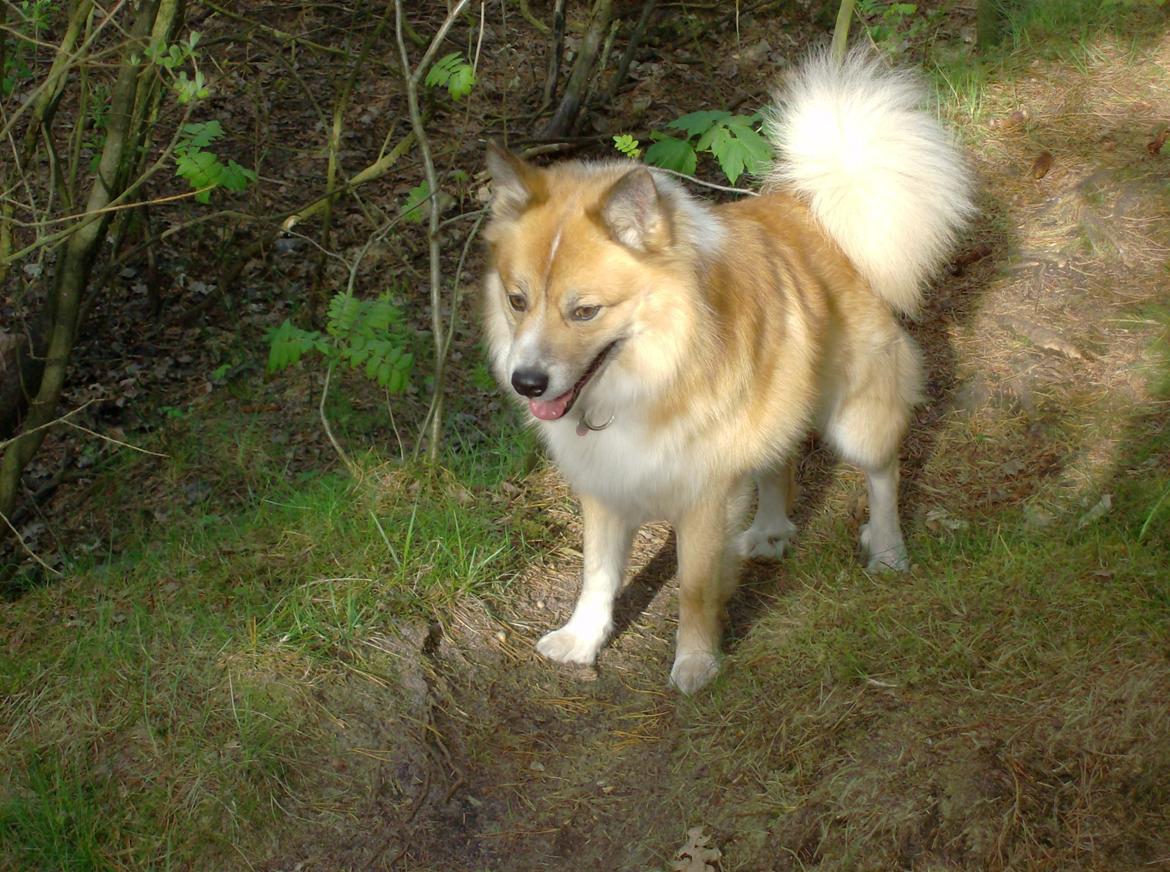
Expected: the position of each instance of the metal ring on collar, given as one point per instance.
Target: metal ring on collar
(595, 427)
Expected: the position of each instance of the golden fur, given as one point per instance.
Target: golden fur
(671, 351)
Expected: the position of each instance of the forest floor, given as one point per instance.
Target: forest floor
(253, 660)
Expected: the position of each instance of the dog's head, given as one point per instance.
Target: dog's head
(589, 276)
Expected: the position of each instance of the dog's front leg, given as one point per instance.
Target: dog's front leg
(608, 537)
(707, 570)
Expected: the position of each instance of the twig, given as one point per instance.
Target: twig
(456, 296)
(412, 77)
(726, 188)
(113, 440)
(554, 58)
(841, 31)
(532, 19)
(628, 56)
(565, 116)
(25, 546)
(375, 170)
(329, 430)
(349, 286)
(282, 35)
(62, 420)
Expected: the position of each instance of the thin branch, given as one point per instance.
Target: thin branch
(111, 439)
(727, 188)
(64, 419)
(276, 33)
(532, 19)
(329, 430)
(456, 297)
(841, 31)
(412, 77)
(555, 55)
(628, 56)
(25, 546)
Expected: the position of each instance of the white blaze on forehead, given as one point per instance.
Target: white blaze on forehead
(552, 253)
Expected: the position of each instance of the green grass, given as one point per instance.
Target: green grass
(156, 700)
(909, 705)
(1003, 705)
(1065, 30)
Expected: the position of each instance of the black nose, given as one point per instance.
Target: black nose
(530, 382)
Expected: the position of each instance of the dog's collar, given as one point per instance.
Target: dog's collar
(584, 426)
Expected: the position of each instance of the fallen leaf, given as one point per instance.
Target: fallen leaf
(1155, 145)
(940, 519)
(1041, 165)
(1099, 510)
(1015, 119)
(968, 257)
(696, 855)
(1042, 337)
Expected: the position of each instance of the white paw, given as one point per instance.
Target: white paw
(691, 671)
(568, 646)
(765, 542)
(885, 555)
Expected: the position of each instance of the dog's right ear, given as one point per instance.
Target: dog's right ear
(516, 184)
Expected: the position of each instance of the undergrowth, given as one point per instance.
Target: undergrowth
(156, 702)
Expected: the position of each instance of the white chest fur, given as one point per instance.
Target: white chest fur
(640, 472)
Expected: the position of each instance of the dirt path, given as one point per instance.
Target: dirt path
(1039, 361)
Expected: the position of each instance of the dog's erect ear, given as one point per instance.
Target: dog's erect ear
(634, 213)
(516, 184)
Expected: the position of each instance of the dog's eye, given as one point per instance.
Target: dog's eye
(585, 313)
(517, 302)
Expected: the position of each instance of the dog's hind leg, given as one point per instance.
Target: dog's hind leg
(608, 537)
(707, 573)
(866, 428)
(769, 533)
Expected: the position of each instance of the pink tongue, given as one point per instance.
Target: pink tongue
(550, 410)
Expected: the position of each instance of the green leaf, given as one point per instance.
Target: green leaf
(201, 134)
(288, 343)
(627, 145)
(758, 153)
(454, 73)
(187, 90)
(343, 314)
(201, 169)
(461, 82)
(731, 154)
(440, 73)
(736, 145)
(672, 154)
(698, 123)
(412, 210)
(235, 177)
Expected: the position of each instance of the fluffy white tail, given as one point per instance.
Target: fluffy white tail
(880, 173)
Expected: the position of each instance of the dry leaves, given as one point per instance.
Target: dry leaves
(1041, 165)
(696, 855)
(1042, 337)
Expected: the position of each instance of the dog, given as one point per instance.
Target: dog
(669, 351)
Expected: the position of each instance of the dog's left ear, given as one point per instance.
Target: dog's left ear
(516, 184)
(634, 214)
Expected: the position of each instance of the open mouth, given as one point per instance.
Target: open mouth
(558, 407)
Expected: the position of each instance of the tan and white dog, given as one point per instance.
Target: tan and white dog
(670, 350)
